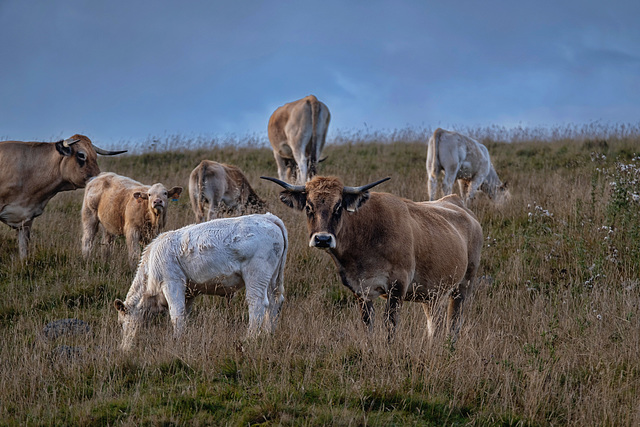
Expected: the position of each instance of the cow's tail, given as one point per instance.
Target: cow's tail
(315, 119)
(200, 185)
(435, 149)
(433, 163)
(283, 259)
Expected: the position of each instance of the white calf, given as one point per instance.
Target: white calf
(216, 257)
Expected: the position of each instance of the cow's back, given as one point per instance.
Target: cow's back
(290, 121)
(447, 238)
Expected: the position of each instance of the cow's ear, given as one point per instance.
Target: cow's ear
(119, 305)
(353, 201)
(140, 196)
(65, 151)
(175, 192)
(294, 199)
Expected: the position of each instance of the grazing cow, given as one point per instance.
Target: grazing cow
(466, 160)
(211, 183)
(216, 257)
(388, 246)
(124, 207)
(33, 172)
(297, 132)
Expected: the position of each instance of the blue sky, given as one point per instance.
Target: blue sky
(127, 70)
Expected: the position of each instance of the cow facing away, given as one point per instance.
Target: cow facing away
(33, 172)
(388, 246)
(463, 159)
(216, 257)
(211, 183)
(124, 207)
(297, 133)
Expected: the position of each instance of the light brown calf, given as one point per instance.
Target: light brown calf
(124, 207)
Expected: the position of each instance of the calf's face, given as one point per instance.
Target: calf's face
(157, 197)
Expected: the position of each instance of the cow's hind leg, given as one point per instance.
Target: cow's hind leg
(256, 286)
(281, 163)
(432, 186)
(90, 225)
(275, 295)
(430, 330)
(448, 181)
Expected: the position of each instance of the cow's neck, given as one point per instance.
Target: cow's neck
(136, 291)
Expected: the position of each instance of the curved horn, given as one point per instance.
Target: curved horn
(106, 152)
(286, 186)
(362, 189)
(323, 159)
(69, 142)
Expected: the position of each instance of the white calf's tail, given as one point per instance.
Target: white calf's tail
(283, 259)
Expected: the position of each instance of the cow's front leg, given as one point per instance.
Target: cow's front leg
(24, 235)
(367, 312)
(394, 302)
(454, 311)
(473, 187)
(174, 293)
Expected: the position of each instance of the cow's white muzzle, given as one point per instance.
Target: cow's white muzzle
(322, 240)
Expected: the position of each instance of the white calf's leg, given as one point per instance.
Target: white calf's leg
(257, 300)
(174, 293)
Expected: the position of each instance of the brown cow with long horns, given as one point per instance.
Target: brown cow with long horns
(388, 246)
(33, 172)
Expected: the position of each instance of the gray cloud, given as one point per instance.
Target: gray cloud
(118, 70)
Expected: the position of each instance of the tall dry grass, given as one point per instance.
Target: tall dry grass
(550, 335)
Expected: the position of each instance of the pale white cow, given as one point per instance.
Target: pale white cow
(463, 159)
(217, 257)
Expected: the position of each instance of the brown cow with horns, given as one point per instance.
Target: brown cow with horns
(388, 246)
(33, 172)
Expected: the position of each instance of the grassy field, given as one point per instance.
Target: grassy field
(551, 335)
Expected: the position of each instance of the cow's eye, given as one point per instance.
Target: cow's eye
(308, 209)
(82, 157)
(337, 208)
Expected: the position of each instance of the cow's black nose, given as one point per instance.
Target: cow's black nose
(322, 240)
